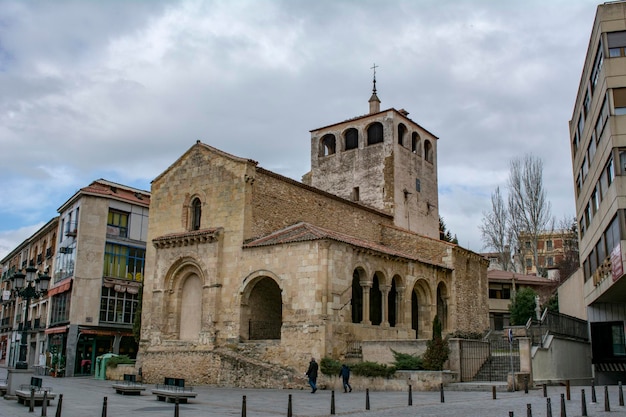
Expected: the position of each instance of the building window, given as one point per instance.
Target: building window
(351, 138)
(591, 150)
(581, 125)
(619, 101)
(500, 291)
(416, 143)
(529, 263)
(597, 67)
(587, 103)
(548, 245)
(610, 171)
(595, 203)
(527, 244)
(428, 151)
(355, 194)
(196, 214)
(375, 133)
(617, 42)
(401, 134)
(418, 185)
(117, 224)
(607, 341)
(328, 145)
(124, 262)
(60, 308)
(117, 307)
(549, 261)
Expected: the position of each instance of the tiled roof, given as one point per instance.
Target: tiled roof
(495, 275)
(302, 232)
(118, 191)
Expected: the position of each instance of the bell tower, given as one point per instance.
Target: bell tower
(384, 160)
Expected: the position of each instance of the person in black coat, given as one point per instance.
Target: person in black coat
(312, 374)
(344, 373)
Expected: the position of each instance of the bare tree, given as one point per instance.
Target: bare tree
(529, 210)
(496, 231)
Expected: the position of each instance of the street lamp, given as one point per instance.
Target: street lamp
(27, 286)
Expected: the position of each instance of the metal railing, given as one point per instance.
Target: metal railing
(556, 324)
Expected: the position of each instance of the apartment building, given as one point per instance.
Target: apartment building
(95, 255)
(598, 146)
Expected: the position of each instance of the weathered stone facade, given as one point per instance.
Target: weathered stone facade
(240, 254)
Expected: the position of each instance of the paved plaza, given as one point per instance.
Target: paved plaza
(84, 396)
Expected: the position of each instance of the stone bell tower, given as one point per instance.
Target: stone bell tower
(384, 160)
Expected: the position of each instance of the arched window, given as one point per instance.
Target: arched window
(357, 298)
(428, 151)
(352, 139)
(376, 301)
(415, 143)
(374, 133)
(401, 134)
(328, 145)
(196, 213)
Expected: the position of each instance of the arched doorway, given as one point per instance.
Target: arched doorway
(420, 309)
(191, 308)
(262, 310)
(356, 302)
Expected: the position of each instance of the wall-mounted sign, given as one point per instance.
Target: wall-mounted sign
(617, 267)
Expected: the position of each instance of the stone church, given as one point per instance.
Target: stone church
(248, 271)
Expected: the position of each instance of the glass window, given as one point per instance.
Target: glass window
(549, 261)
(597, 67)
(125, 262)
(617, 42)
(196, 213)
(619, 101)
(117, 307)
(610, 171)
(548, 245)
(117, 224)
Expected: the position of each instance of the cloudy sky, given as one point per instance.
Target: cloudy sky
(120, 89)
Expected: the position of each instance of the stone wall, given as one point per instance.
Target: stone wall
(381, 351)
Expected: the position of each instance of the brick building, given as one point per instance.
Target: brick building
(241, 259)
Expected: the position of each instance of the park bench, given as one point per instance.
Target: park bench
(128, 385)
(35, 388)
(173, 390)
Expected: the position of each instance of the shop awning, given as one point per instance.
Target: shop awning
(54, 330)
(101, 332)
(61, 288)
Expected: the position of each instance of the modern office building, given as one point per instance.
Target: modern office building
(598, 145)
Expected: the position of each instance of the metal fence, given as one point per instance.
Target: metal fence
(488, 360)
(557, 324)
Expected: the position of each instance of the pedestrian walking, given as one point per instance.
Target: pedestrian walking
(312, 374)
(344, 373)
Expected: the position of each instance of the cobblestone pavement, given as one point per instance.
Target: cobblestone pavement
(84, 397)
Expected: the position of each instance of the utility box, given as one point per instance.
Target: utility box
(101, 365)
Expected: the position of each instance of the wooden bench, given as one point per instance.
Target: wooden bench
(128, 386)
(24, 393)
(172, 390)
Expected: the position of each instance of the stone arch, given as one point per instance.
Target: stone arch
(192, 211)
(356, 301)
(442, 305)
(394, 301)
(401, 133)
(183, 290)
(375, 133)
(416, 144)
(327, 145)
(420, 309)
(351, 139)
(376, 298)
(261, 312)
(428, 151)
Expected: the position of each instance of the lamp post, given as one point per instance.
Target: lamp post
(27, 286)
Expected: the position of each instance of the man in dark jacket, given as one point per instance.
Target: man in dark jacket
(344, 373)
(312, 374)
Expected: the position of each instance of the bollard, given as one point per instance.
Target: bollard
(176, 408)
(289, 408)
(243, 407)
(410, 395)
(493, 392)
(367, 398)
(607, 406)
(332, 402)
(31, 405)
(441, 391)
(525, 385)
(593, 393)
(44, 404)
(545, 390)
(59, 406)
(583, 403)
(567, 393)
(104, 407)
(510, 413)
(563, 411)
(548, 408)
(529, 410)
(621, 394)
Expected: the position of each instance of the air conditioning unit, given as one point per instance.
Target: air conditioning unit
(65, 250)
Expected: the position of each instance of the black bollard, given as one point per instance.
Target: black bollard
(548, 408)
(441, 391)
(59, 406)
(410, 395)
(243, 407)
(529, 410)
(31, 405)
(607, 406)
(563, 411)
(332, 402)
(289, 408)
(545, 390)
(525, 385)
(176, 408)
(567, 393)
(367, 398)
(104, 407)
(510, 413)
(583, 403)
(44, 404)
(593, 393)
(493, 392)
(621, 394)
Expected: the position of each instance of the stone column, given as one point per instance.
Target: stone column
(366, 302)
(400, 306)
(384, 289)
